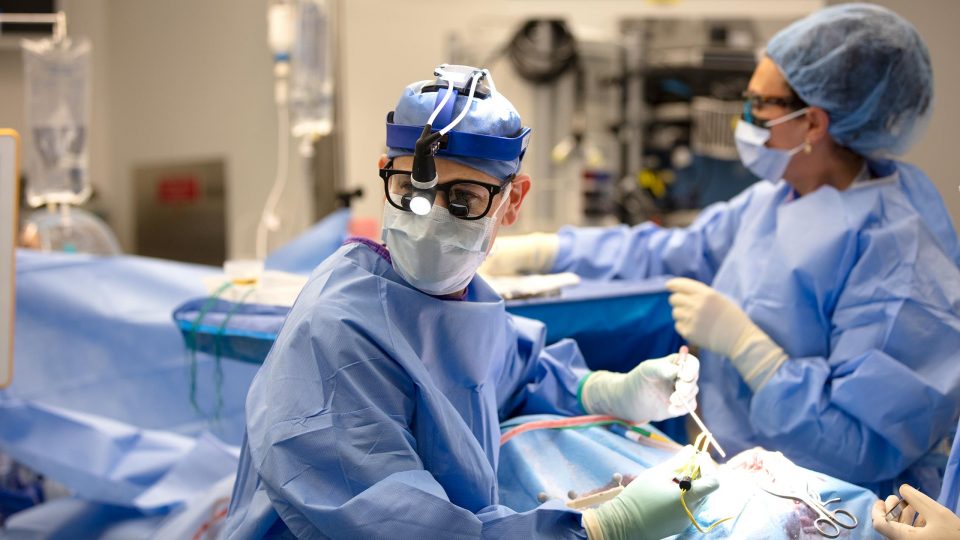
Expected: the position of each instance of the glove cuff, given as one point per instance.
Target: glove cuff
(757, 357)
(583, 382)
(592, 390)
(591, 524)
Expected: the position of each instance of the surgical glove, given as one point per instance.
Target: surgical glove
(649, 507)
(710, 320)
(524, 254)
(654, 390)
(930, 520)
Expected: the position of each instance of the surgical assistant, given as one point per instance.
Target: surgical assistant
(829, 329)
(377, 411)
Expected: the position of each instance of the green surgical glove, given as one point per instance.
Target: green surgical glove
(649, 507)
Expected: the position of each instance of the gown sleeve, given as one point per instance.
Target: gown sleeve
(648, 250)
(539, 379)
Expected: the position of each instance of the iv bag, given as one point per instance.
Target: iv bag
(311, 76)
(57, 82)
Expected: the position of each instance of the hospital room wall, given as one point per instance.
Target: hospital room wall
(174, 81)
(192, 81)
(483, 26)
(489, 24)
(182, 80)
(936, 20)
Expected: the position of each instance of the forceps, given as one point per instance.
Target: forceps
(829, 522)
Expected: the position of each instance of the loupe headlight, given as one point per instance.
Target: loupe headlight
(423, 175)
(420, 202)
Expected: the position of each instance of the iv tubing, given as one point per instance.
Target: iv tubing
(269, 216)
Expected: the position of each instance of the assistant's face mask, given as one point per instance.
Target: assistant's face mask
(765, 162)
(438, 253)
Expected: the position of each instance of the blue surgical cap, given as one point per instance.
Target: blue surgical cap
(493, 115)
(867, 68)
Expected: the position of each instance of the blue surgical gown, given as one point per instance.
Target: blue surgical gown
(376, 413)
(860, 287)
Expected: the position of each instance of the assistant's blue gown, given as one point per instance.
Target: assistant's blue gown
(860, 287)
(377, 412)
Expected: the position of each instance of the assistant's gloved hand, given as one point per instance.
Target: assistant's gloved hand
(649, 507)
(710, 320)
(532, 253)
(654, 390)
(933, 521)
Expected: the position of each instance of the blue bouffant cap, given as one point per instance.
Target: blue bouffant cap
(490, 138)
(867, 68)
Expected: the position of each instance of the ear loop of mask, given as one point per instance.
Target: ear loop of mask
(504, 197)
(786, 118)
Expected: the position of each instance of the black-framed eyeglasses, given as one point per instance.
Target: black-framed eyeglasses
(753, 101)
(464, 199)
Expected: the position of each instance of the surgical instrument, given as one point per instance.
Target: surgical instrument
(829, 522)
(703, 428)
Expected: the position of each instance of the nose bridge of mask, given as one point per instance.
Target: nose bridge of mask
(751, 133)
(442, 227)
(758, 136)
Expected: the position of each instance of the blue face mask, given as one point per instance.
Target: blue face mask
(764, 162)
(438, 253)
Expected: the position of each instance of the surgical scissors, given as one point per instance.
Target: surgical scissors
(828, 522)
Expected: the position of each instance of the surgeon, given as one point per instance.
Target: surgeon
(377, 412)
(825, 299)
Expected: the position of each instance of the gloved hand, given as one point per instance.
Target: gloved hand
(532, 253)
(710, 320)
(933, 521)
(649, 507)
(654, 390)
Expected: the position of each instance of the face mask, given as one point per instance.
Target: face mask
(438, 253)
(767, 163)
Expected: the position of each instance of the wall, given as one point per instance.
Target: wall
(181, 80)
(386, 51)
(193, 80)
(176, 80)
